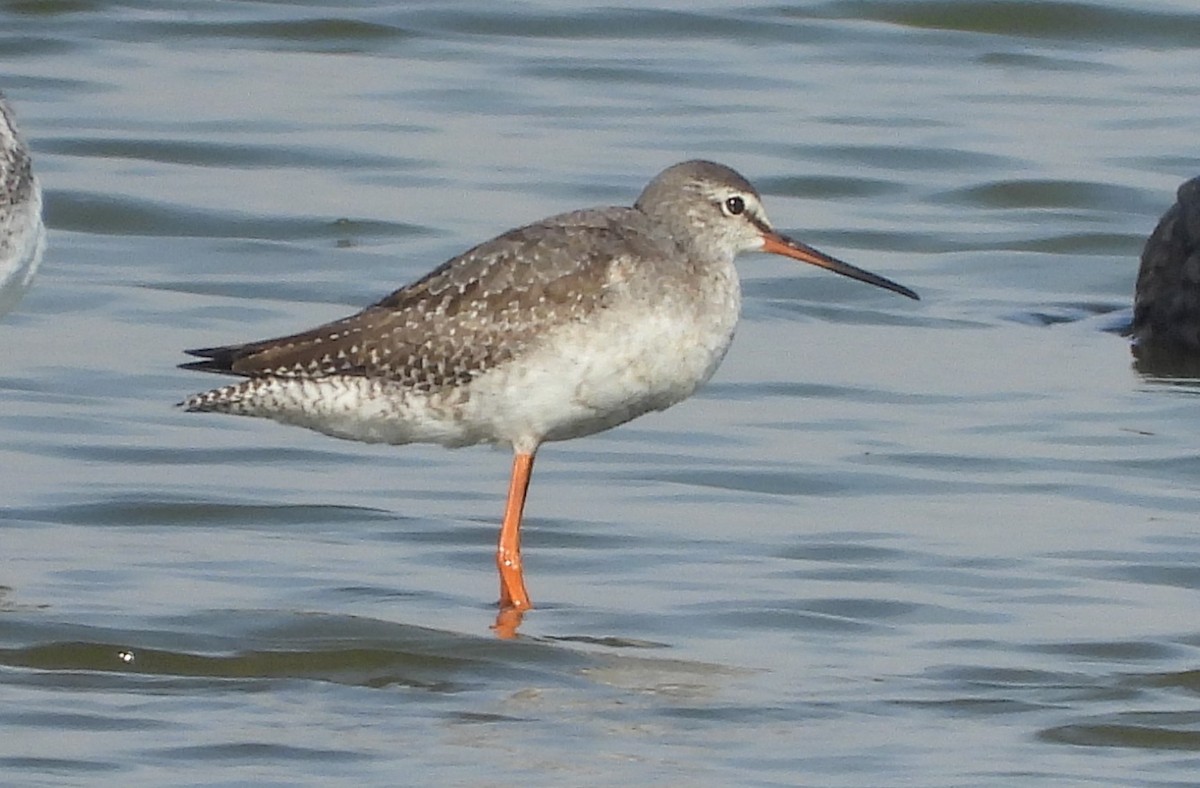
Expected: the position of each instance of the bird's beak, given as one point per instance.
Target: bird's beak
(774, 243)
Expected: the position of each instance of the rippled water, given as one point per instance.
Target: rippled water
(944, 543)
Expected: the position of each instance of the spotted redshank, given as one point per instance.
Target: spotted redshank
(556, 330)
(22, 234)
(1166, 305)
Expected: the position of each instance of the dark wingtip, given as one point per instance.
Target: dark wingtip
(207, 352)
(216, 359)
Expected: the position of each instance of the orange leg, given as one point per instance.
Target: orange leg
(513, 595)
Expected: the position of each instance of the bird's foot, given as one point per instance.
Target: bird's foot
(507, 622)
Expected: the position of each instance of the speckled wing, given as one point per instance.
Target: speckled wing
(15, 165)
(22, 232)
(469, 315)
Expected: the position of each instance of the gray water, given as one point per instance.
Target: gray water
(945, 543)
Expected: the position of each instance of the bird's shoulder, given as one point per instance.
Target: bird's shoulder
(576, 250)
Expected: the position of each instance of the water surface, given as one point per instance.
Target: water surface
(942, 543)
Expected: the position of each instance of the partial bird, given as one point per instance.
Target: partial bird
(22, 234)
(1166, 305)
(555, 330)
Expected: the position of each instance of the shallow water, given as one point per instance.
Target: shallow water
(942, 543)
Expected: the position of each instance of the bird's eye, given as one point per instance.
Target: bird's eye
(735, 205)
